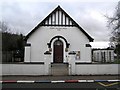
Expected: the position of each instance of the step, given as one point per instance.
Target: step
(59, 65)
(59, 69)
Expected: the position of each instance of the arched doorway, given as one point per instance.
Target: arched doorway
(58, 51)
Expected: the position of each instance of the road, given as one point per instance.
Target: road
(68, 86)
(96, 85)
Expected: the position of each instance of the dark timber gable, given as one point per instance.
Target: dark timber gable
(58, 17)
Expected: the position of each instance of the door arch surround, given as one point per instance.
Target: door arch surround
(51, 46)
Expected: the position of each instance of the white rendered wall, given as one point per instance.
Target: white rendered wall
(72, 65)
(96, 69)
(47, 65)
(27, 54)
(23, 69)
(80, 69)
(73, 35)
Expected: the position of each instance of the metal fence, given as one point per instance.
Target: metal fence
(12, 56)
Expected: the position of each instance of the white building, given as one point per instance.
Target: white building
(58, 40)
(103, 55)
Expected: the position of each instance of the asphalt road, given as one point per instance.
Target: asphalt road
(66, 86)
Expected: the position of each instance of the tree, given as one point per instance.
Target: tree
(4, 27)
(114, 23)
(11, 42)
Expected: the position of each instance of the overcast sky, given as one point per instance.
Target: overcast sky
(23, 15)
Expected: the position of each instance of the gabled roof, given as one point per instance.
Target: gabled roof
(58, 17)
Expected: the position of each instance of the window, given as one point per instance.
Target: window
(98, 56)
(110, 56)
(104, 57)
(101, 56)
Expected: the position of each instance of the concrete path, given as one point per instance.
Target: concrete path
(16, 77)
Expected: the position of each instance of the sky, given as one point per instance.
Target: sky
(23, 15)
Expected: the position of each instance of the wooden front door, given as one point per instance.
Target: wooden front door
(58, 51)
